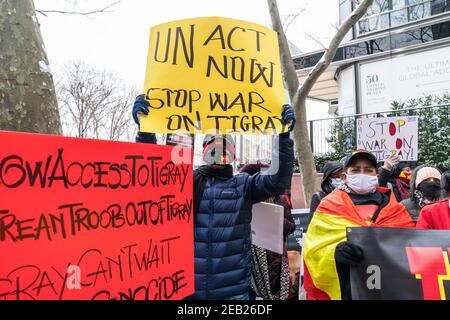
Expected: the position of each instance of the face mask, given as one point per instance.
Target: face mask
(431, 190)
(336, 182)
(362, 183)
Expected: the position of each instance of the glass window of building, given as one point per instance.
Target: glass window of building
(384, 43)
(399, 14)
(418, 9)
(375, 18)
(386, 14)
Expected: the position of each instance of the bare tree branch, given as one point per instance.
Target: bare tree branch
(335, 26)
(291, 18)
(299, 93)
(80, 13)
(94, 104)
(316, 40)
(329, 54)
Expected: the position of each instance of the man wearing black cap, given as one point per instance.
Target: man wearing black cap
(357, 202)
(223, 210)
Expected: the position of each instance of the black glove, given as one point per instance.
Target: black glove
(140, 106)
(348, 254)
(288, 116)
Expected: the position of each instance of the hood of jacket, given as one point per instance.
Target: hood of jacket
(329, 168)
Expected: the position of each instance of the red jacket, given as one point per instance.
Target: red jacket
(435, 216)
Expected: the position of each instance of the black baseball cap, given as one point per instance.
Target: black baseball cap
(360, 154)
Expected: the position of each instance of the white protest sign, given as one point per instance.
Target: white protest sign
(267, 226)
(386, 136)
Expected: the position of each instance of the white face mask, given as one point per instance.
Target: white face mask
(362, 183)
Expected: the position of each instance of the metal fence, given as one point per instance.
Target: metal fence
(327, 135)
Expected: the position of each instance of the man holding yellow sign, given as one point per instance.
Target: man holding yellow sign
(219, 75)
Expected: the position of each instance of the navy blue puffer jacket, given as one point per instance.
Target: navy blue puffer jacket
(222, 233)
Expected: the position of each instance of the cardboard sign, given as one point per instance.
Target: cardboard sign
(386, 136)
(401, 264)
(90, 219)
(213, 75)
(267, 226)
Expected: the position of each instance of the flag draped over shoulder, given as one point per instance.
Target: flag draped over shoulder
(327, 229)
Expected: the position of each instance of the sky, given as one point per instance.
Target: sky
(118, 41)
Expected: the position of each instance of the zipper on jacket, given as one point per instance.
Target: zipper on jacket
(208, 260)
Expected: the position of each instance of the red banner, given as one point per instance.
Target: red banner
(91, 219)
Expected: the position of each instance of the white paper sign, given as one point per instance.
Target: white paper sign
(386, 136)
(267, 226)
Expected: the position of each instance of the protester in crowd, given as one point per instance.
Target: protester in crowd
(270, 270)
(437, 215)
(357, 202)
(425, 188)
(223, 209)
(332, 178)
(396, 175)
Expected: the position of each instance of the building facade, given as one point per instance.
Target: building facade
(398, 51)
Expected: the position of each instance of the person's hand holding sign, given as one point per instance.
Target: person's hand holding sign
(288, 116)
(391, 161)
(141, 106)
(348, 253)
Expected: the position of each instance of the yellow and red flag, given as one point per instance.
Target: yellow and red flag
(327, 229)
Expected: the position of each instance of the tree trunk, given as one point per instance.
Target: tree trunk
(27, 92)
(302, 145)
(299, 94)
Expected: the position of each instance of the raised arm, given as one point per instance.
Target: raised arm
(141, 106)
(386, 169)
(278, 178)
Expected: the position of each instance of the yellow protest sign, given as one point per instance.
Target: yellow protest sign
(216, 74)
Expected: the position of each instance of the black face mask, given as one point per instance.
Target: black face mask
(431, 189)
